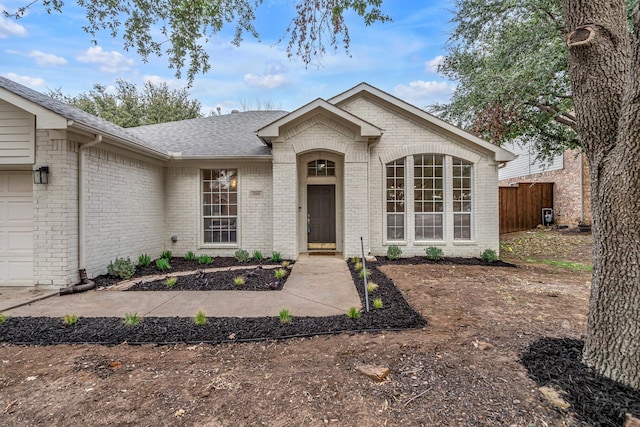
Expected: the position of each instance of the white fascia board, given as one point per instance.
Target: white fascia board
(367, 130)
(500, 154)
(45, 119)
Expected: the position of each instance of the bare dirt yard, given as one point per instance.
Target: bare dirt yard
(462, 369)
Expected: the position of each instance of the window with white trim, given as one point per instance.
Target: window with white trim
(220, 205)
(428, 196)
(321, 167)
(462, 199)
(395, 199)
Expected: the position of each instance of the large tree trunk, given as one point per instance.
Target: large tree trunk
(604, 63)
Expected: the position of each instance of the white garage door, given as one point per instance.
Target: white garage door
(16, 229)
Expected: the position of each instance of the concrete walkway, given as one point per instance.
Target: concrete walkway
(317, 286)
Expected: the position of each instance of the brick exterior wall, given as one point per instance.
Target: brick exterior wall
(55, 213)
(184, 209)
(403, 137)
(571, 189)
(135, 205)
(125, 210)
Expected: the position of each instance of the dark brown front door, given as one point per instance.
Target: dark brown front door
(321, 216)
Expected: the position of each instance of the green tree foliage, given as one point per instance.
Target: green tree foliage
(182, 29)
(510, 61)
(128, 107)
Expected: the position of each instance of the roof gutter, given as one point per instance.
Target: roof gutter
(120, 141)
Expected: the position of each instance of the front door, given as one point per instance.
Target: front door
(321, 216)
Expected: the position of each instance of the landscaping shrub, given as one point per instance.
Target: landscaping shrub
(144, 260)
(285, 316)
(434, 254)
(162, 264)
(276, 257)
(241, 255)
(122, 268)
(489, 255)
(393, 252)
(190, 256)
(257, 255)
(166, 255)
(200, 318)
(205, 259)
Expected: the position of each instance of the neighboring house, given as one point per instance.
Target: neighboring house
(569, 173)
(316, 179)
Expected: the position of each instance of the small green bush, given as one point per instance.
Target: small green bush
(241, 255)
(362, 273)
(166, 255)
(200, 318)
(434, 254)
(257, 255)
(122, 268)
(131, 319)
(353, 313)
(190, 256)
(239, 281)
(276, 257)
(3, 318)
(144, 260)
(205, 259)
(393, 252)
(357, 266)
(285, 316)
(171, 281)
(489, 255)
(162, 264)
(70, 319)
(280, 273)
(377, 303)
(285, 264)
(371, 287)
(355, 259)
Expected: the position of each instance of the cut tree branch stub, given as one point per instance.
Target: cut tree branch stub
(580, 36)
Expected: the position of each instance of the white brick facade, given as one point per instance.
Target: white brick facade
(136, 198)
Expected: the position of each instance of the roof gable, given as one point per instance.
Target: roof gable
(365, 130)
(362, 89)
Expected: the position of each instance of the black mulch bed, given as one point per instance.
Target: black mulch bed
(446, 261)
(396, 314)
(256, 279)
(179, 264)
(594, 400)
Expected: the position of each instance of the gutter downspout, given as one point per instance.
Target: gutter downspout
(82, 198)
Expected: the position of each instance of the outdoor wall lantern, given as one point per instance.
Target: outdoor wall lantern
(41, 175)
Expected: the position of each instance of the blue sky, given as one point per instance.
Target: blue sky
(47, 52)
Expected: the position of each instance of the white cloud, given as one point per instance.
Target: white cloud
(110, 62)
(33, 82)
(421, 93)
(155, 80)
(270, 81)
(9, 28)
(44, 59)
(433, 64)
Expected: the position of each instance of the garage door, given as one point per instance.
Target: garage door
(16, 229)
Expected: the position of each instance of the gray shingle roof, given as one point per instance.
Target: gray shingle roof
(226, 135)
(73, 113)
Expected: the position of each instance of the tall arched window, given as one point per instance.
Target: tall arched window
(321, 167)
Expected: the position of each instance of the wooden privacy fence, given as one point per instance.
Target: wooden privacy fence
(521, 206)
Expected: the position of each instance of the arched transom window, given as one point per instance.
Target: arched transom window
(321, 167)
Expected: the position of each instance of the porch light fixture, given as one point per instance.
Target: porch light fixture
(41, 175)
